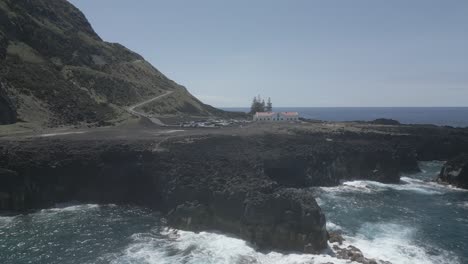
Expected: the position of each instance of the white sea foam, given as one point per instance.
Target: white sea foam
(333, 227)
(395, 243)
(407, 184)
(419, 183)
(172, 131)
(61, 134)
(6, 220)
(204, 247)
(70, 208)
(319, 201)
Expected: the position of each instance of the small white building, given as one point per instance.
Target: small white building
(276, 116)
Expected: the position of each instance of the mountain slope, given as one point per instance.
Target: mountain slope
(56, 70)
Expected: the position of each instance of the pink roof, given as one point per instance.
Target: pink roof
(273, 113)
(290, 113)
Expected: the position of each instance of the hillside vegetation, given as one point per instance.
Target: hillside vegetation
(55, 70)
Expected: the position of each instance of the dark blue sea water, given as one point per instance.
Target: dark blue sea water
(416, 222)
(449, 116)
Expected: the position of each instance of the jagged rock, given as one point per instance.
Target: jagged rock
(455, 172)
(287, 219)
(190, 216)
(352, 253)
(335, 237)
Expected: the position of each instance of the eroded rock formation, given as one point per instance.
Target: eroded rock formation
(250, 185)
(455, 172)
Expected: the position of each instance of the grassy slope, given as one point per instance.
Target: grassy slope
(58, 71)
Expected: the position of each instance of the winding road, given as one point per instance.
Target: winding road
(155, 120)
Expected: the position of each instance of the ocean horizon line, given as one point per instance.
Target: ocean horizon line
(238, 107)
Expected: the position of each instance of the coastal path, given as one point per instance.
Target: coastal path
(153, 119)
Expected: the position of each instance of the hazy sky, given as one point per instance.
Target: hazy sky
(299, 52)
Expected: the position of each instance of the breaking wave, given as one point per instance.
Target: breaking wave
(421, 183)
(6, 220)
(417, 221)
(207, 248)
(398, 244)
(70, 208)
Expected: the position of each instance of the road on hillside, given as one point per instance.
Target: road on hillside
(156, 121)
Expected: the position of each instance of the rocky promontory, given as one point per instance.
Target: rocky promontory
(250, 181)
(455, 172)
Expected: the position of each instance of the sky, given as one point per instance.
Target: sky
(328, 53)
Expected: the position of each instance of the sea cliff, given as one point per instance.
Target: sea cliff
(250, 182)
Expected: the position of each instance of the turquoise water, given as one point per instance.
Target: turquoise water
(415, 222)
(450, 116)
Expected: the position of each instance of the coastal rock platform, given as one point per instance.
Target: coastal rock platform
(250, 181)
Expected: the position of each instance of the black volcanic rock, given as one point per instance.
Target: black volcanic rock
(235, 184)
(7, 109)
(13, 191)
(3, 45)
(287, 219)
(408, 159)
(455, 172)
(385, 121)
(241, 181)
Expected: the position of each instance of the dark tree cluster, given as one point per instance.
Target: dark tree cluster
(259, 105)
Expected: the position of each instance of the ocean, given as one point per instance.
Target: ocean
(442, 116)
(416, 222)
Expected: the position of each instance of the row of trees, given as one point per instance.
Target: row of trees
(259, 105)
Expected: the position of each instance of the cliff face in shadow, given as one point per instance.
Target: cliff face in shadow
(455, 172)
(251, 181)
(7, 109)
(250, 186)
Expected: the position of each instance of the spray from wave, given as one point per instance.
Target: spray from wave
(416, 221)
(398, 244)
(207, 248)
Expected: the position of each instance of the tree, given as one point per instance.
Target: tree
(253, 107)
(269, 106)
(258, 105)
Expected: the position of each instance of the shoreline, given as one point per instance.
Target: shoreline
(222, 179)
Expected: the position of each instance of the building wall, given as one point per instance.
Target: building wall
(276, 118)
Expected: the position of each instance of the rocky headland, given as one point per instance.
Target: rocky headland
(251, 181)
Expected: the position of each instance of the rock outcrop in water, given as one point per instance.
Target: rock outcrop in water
(287, 219)
(455, 172)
